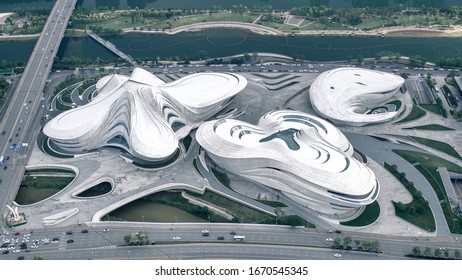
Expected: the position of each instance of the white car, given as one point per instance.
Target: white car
(16, 251)
(337, 255)
(176, 238)
(330, 239)
(105, 230)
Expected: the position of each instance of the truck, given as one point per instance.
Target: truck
(2, 158)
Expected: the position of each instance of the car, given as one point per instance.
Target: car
(17, 233)
(176, 238)
(55, 239)
(84, 231)
(16, 251)
(105, 230)
(329, 239)
(330, 231)
(20, 257)
(232, 233)
(8, 157)
(338, 231)
(69, 232)
(17, 134)
(10, 140)
(70, 241)
(205, 232)
(337, 255)
(5, 252)
(221, 237)
(5, 167)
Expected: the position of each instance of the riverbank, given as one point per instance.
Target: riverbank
(397, 31)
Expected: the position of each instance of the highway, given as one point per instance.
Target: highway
(262, 242)
(19, 124)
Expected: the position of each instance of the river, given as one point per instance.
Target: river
(219, 43)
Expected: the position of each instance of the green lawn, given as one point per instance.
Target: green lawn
(434, 108)
(437, 145)
(153, 23)
(415, 113)
(432, 127)
(370, 215)
(417, 211)
(428, 166)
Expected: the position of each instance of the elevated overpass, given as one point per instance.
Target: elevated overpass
(19, 126)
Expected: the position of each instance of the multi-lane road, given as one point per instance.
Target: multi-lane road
(19, 124)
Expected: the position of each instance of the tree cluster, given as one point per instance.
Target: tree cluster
(137, 238)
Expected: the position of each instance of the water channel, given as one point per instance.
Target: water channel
(219, 43)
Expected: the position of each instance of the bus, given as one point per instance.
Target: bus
(1, 160)
(239, 238)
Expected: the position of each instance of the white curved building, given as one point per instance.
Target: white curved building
(306, 158)
(143, 115)
(345, 95)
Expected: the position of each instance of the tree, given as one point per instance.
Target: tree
(357, 243)
(437, 252)
(38, 257)
(347, 242)
(375, 246)
(427, 251)
(280, 214)
(416, 251)
(446, 252)
(337, 243)
(457, 253)
(367, 245)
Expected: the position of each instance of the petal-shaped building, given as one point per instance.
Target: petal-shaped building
(143, 115)
(305, 157)
(345, 95)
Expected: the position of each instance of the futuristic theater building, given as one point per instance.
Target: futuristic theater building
(308, 159)
(345, 95)
(142, 114)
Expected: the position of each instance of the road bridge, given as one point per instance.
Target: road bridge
(19, 123)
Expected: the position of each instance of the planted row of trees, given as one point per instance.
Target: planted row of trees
(435, 253)
(361, 245)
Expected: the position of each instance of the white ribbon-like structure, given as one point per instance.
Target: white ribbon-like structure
(345, 95)
(142, 114)
(303, 156)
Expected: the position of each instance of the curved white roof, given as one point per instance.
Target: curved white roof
(137, 112)
(344, 95)
(304, 156)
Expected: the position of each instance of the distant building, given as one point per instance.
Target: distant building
(6, 72)
(345, 95)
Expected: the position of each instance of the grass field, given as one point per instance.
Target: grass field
(437, 145)
(427, 165)
(432, 127)
(415, 114)
(432, 108)
(417, 211)
(370, 215)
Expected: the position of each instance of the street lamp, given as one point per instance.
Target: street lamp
(142, 217)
